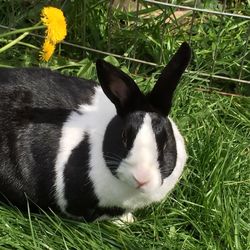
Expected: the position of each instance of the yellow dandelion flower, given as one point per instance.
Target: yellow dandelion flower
(47, 50)
(55, 22)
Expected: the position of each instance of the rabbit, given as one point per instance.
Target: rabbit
(85, 150)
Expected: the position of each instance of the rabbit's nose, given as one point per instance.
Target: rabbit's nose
(140, 183)
(141, 176)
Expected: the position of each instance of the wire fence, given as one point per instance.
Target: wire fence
(245, 46)
(209, 74)
(190, 21)
(237, 72)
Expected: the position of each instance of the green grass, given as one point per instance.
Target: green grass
(210, 207)
(219, 43)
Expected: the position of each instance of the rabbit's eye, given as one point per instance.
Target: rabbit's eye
(124, 138)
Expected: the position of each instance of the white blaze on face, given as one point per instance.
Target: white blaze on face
(141, 165)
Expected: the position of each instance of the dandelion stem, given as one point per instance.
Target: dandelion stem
(17, 31)
(3, 40)
(12, 43)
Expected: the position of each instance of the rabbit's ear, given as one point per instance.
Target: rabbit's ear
(162, 93)
(118, 87)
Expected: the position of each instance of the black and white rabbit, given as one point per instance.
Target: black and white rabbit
(86, 150)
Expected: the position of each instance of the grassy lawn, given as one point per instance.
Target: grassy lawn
(210, 207)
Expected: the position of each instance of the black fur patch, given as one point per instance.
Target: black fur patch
(166, 144)
(79, 191)
(119, 138)
(110, 211)
(114, 150)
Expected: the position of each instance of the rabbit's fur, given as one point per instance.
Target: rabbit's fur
(86, 150)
